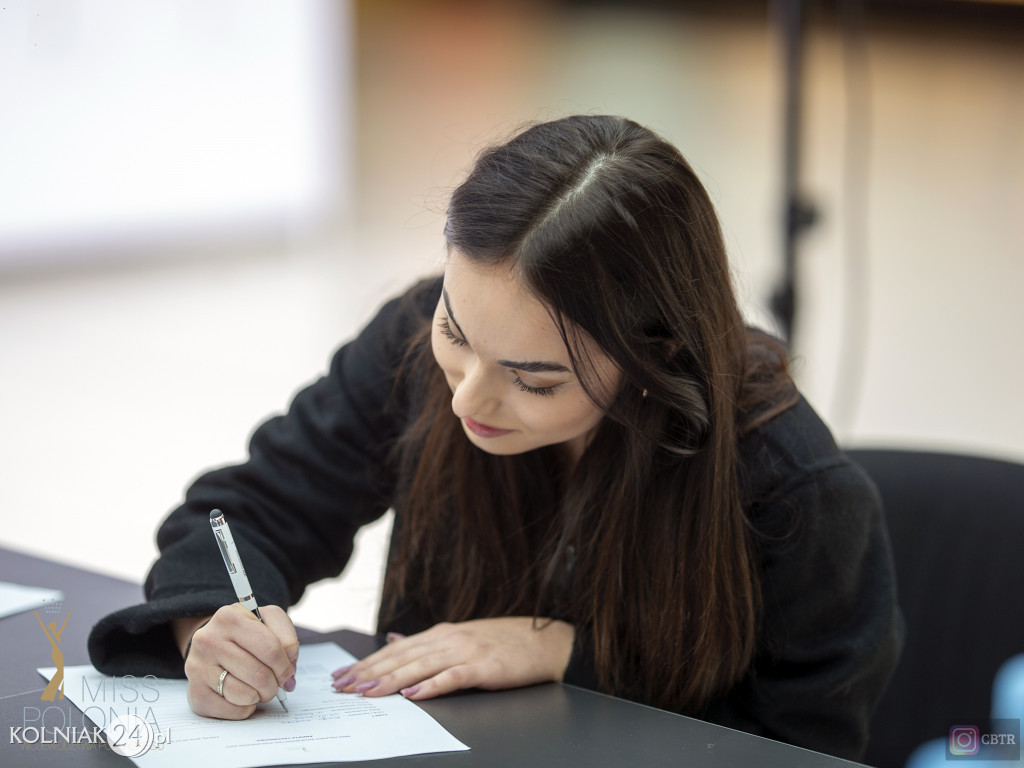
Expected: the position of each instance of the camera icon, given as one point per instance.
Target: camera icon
(964, 740)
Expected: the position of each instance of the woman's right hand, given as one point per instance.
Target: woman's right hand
(258, 657)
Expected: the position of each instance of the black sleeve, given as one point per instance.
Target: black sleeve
(831, 630)
(581, 670)
(313, 477)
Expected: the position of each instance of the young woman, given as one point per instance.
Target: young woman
(599, 476)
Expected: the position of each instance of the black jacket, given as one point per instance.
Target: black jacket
(830, 633)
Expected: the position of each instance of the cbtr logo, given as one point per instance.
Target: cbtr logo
(964, 740)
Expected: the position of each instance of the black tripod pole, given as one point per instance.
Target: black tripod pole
(797, 213)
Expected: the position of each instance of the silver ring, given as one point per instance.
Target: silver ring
(220, 683)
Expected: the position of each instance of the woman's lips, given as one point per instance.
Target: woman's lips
(483, 430)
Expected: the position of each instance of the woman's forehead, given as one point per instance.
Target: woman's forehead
(504, 320)
(494, 305)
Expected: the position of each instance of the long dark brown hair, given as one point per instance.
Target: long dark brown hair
(643, 541)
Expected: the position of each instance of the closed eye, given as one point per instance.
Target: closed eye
(446, 329)
(524, 387)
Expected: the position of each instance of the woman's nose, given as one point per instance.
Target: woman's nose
(474, 394)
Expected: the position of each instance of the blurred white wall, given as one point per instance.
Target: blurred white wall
(123, 377)
(175, 198)
(150, 126)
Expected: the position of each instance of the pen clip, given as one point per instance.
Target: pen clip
(225, 551)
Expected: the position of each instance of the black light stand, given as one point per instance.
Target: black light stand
(798, 213)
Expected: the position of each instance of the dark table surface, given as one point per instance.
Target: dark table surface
(542, 725)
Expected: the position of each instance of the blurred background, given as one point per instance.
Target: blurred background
(200, 200)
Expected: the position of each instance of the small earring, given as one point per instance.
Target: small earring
(645, 393)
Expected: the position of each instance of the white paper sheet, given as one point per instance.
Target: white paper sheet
(15, 598)
(320, 725)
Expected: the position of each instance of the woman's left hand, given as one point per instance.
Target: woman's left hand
(505, 652)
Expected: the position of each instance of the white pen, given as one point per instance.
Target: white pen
(237, 573)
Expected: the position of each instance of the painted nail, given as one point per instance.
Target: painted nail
(392, 636)
(344, 682)
(289, 684)
(364, 687)
(410, 691)
(341, 671)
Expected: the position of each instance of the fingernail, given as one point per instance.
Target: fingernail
(364, 687)
(392, 636)
(410, 691)
(344, 682)
(341, 671)
(289, 684)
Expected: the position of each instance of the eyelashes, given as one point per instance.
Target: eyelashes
(522, 386)
(446, 330)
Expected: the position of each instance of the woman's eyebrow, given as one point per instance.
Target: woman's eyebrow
(534, 366)
(527, 366)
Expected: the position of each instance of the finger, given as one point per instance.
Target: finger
(250, 682)
(373, 667)
(281, 625)
(341, 671)
(446, 681)
(378, 682)
(228, 642)
(204, 701)
(404, 662)
(263, 642)
(400, 650)
(361, 671)
(488, 653)
(234, 690)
